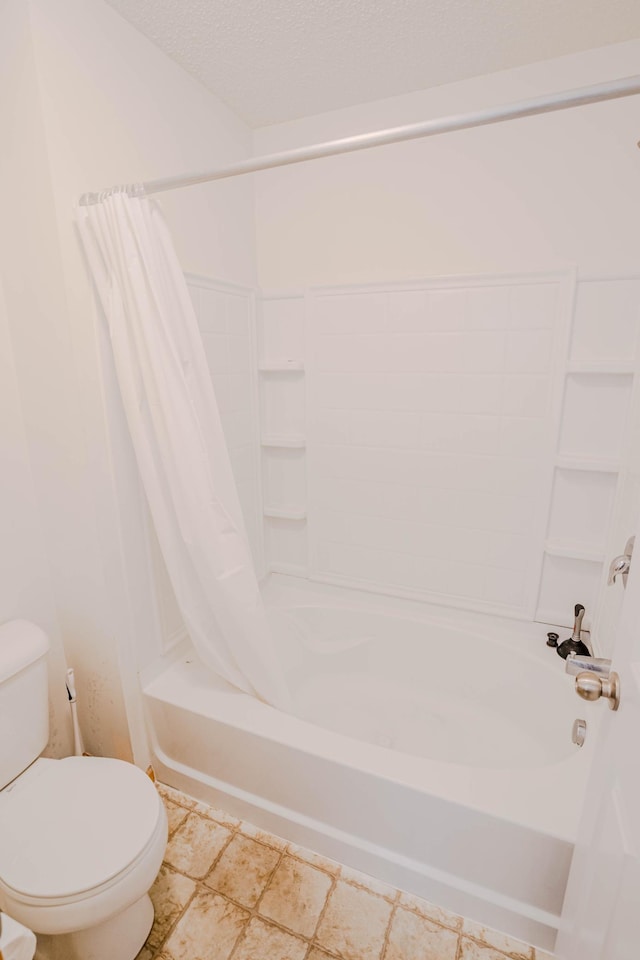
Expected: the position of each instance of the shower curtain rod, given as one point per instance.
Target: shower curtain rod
(547, 103)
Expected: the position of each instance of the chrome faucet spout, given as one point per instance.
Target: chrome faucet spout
(576, 664)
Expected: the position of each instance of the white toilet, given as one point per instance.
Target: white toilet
(81, 839)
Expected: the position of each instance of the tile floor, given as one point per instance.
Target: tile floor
(228, 891)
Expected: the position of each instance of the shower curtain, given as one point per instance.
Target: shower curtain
(177, 436)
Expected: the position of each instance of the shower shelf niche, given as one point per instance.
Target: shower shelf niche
(281, 366)
(284, 443)
(281, 355)
(297, 514)
(588, 464)
(599, 379)
(573, 551)
(602, 369)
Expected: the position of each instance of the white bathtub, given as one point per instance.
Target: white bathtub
(430, 749)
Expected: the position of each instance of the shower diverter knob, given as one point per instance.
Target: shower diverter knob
(591, 687)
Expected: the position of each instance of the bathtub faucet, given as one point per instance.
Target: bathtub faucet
(599, 666)
(575, 644)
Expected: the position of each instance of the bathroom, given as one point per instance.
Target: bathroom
(476, 518)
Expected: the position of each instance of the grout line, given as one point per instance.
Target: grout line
(415, 909)
(177, 827)
(268, 883)
(325, 906)
(253, 912)
(488, 946)
(175, 923)
(282, 845)
(269, 922)
(506, 955)
(309, 863)
(362, 885)
(387, 933)
(197, 882)
(217, 859)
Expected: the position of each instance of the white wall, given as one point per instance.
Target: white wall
(104, 106)
(531, 194)
(118, 110)
(28, 448)
(26, 591)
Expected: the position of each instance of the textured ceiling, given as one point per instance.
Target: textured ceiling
(275, 60)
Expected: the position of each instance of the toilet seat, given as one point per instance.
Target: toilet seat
(46, 904)
(71, 827)
(117, 790)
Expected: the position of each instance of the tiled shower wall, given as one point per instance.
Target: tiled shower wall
(226, 319)
(458, 441)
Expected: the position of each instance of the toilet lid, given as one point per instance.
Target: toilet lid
(68, 826)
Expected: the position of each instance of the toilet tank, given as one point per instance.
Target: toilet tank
(24, 697)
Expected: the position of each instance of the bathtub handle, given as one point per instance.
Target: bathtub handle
(594, 679)
(591, 687)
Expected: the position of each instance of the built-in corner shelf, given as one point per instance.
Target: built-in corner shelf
(290, 569)
(587, 463)
(281, 366)
(609, 367)
(285, 513)
(284, 443)
(573, 552)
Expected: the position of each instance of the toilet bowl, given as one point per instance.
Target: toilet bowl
(81, 839)
(81, 842)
